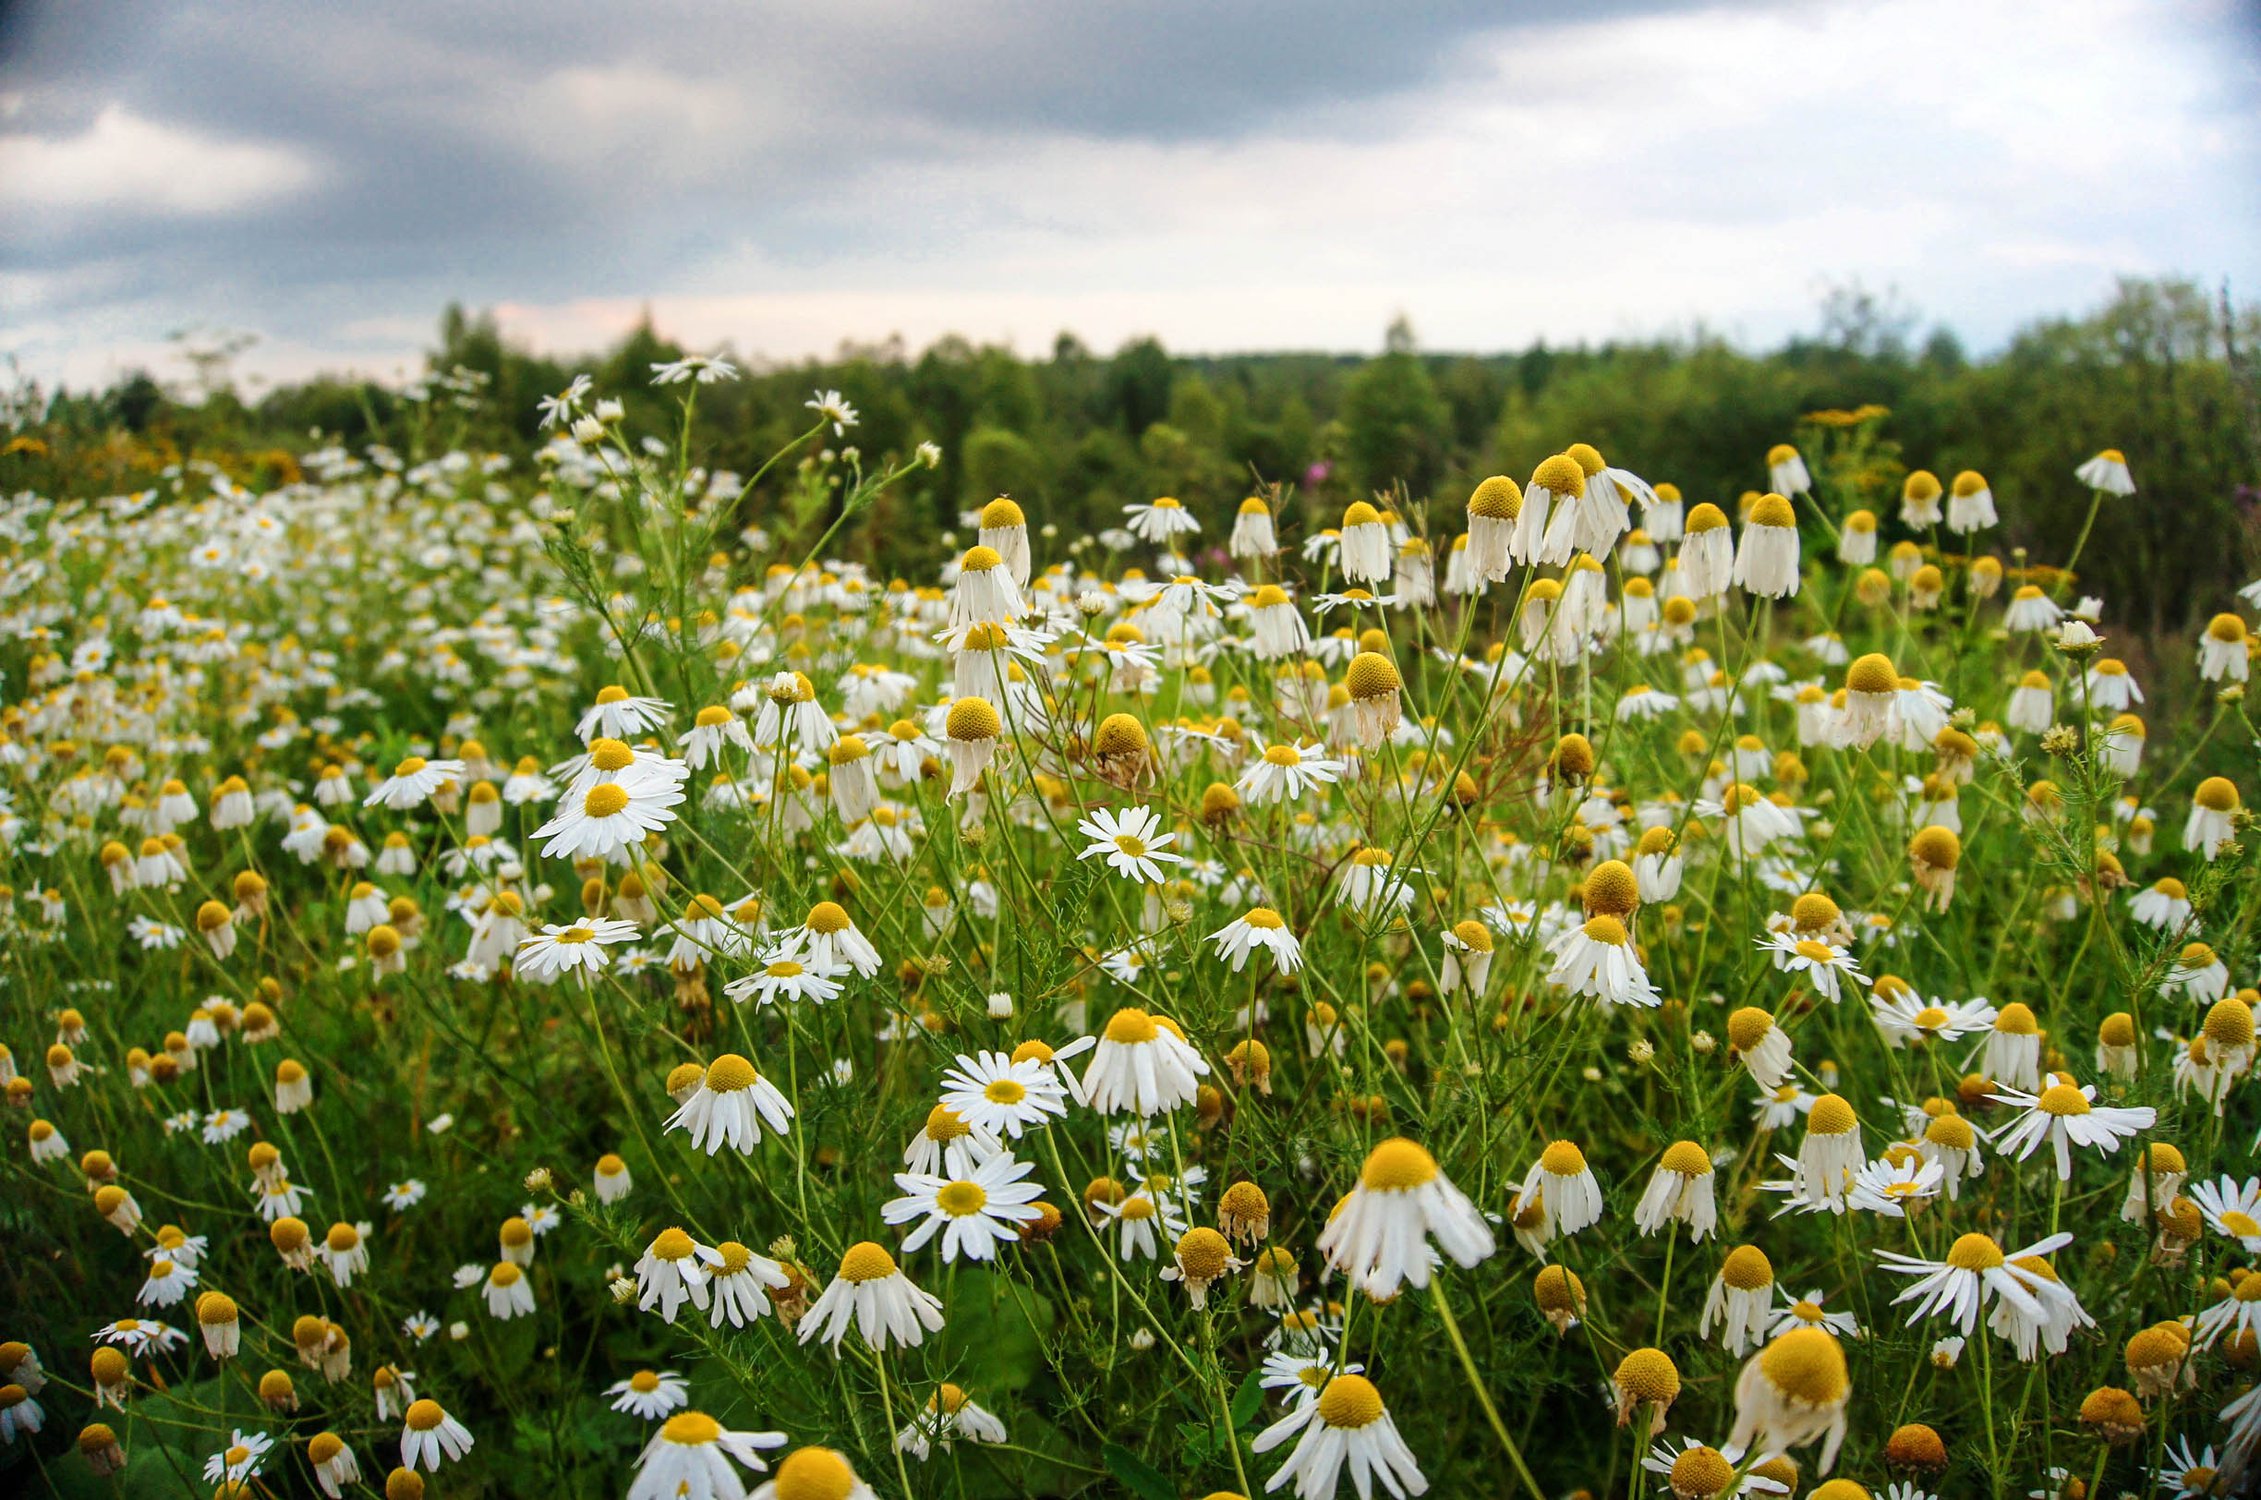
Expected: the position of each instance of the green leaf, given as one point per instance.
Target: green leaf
(991, 1338)
(1137, 1475)
(1249, 1399)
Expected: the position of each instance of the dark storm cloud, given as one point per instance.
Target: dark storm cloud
(1251, 175)
(454, 147)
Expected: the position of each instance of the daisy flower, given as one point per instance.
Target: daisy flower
(1135, 1218)
(831, 406)
(1001, 1095)
(1346, 1425)
(412, 783)
(1696, 1471)
(2029, 1334)
(974, 1214)
(785, 977)
(557, 950)
(1161, 521)
(2232, 1209)
(1202, 1257)
(946, 1140)
(1284, 772)
(429, 1434)
(2192, 1474)
(1974, 1271)
(1679, 1190)
(1599, 959)
(813, 1474)
(741, 1282)
(611, 819)
(1825, 964)
(1143, 1065)
(1259, 929)
(871, 1293)
(950, 1414)
(1379, 1233)
(1566, 1188)
(689, 1459)
(1904, 1016)
(730, 1106)
(1132, 842)
(1792, 1393)
(617, 716)
(2107, 472)
(1830, 1155)
(672, 1271)
(1740, 1298)
(2064, 1117)
(244, 1456)
(1299, 1375)
(830, 939)
(1808, 1312)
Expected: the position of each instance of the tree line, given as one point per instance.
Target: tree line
(2163, 370)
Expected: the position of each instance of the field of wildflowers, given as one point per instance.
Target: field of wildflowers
(553, 982)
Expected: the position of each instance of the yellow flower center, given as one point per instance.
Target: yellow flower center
(866, 1261)
(1747, 1269)
(1350, 1401)
(1974, 1252)
(814, 1474)
(1808, 1365)
(1701, 1471)
(959, 1199)
(729, 1073)
(1831, 1116)
(1130, 1027)
(1396, 1166)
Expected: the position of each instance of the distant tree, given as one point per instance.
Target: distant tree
(1138, 385)
(137, 400)
(1395, 425)
(999, 461)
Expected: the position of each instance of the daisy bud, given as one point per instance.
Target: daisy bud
(217, 1318)
(2158, 1359)
(1561, 1297)
(1917, 1448)
(277, 1393)
(1244, 1213)
(2113, 1415)
(1375, 708)
(1646, 1381)
(98, 1445)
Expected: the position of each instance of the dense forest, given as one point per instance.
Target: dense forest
(2165, 370)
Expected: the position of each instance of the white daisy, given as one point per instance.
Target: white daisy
(1132, 842)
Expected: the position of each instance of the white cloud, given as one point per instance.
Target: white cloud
(1597, 180)
(1573, 181)
(122, 162)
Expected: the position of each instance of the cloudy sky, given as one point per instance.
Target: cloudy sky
(1263, 174)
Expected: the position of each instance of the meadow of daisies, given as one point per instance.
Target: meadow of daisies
(550, 979)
